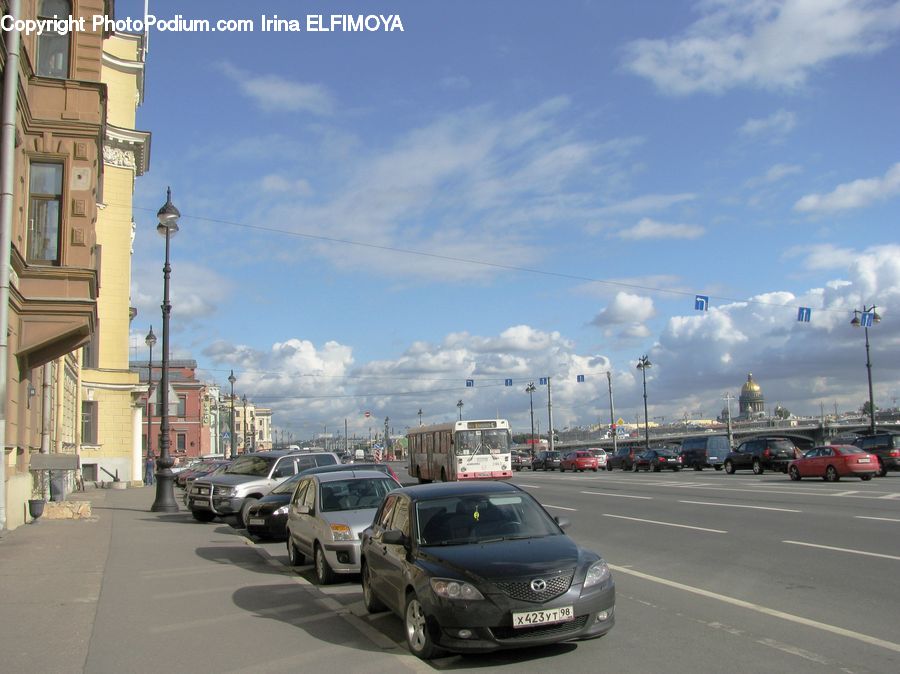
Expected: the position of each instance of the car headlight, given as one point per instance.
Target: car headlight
(596, 574)
(281, 511)
(455, 589)
(341, 532)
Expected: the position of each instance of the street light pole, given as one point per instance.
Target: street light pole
(244, 423)
(728, 398)
(530, 389)
(612, 412)
(150, 340)
(643, 365)
(866, 318)
(165, 480)
(231, 380)
(460, 406)
(420, 416)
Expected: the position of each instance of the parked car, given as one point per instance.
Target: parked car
(705, 451)
(601, 456)
(267, 518)
(624, 457)
(546, 459)
(832, 462)
(762, 454)
(198, 469)
(479, 566)
(520, 460)
(885, 446)
(578, 460)
(246, 480)
(657, 460)
(326, 516)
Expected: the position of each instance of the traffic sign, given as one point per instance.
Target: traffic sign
(507, 382)
(579, 378)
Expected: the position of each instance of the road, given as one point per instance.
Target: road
(750, 573)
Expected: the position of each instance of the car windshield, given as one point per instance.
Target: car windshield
(288, 486)
(490, 441)
(781, 445)
(481, 518)
(355, 493)
(251, 465)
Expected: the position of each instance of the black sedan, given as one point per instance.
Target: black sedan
(657, 460)
(479, 566)
(267, 518)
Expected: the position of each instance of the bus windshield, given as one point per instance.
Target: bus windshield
(493, 441)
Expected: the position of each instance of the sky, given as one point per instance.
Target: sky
(516, 190)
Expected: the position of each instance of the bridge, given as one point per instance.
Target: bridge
(804, 434)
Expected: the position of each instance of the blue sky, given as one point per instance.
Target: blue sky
(519, 189)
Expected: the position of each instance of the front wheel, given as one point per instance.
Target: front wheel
(324, 574)
(244, 514)
(418, 636)
(794, 473)
(729, 467)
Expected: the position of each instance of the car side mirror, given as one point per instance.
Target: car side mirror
(563, 522)
(394, 537)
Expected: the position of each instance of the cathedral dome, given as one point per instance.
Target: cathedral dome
(751, 387)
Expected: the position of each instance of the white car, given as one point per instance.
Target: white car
(601, 456)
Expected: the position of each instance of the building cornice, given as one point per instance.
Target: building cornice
(127, 148)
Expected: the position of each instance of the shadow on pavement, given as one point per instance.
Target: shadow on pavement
(238, 555)
(501, 658)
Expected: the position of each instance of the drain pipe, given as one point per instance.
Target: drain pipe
(7, 184)
(46, 400)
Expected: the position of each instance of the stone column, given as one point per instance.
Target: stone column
(137, 462)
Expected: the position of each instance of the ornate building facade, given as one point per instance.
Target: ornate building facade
(751, 404)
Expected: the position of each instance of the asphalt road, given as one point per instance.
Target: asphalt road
(715, 572)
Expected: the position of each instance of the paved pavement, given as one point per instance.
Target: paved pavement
(131, 590)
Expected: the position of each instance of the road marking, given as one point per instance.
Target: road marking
(890, 496)
(734, 505)
(547, 505)
(880, 519)
(604, 493)
(851, 551)
(530, 486)
(666, 524)
(845, 493)
(793, 650)
(825, 627)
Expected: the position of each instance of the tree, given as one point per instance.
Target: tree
(865, 409)
(782, 412)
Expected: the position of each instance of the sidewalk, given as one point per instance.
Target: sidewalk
(131, 590)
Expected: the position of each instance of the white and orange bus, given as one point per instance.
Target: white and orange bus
(461, 450)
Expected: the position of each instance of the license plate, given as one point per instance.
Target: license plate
(202, 491)
(530, 618)
(256, 521)
(863, 460)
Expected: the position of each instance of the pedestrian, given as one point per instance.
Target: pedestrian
(148, 470)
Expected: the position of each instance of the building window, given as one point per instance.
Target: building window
(89, 422)
(45, 207)
(181, 440)
(53, 48)
(182, 407)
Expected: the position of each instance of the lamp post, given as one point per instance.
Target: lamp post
(150, 341)
(530, 389)
(643, 365)
(460, 406)
(612, 413)
(231, 380)
(244, 423)
(866, 319)
(728, 398)
(165, 480)
(420, 416)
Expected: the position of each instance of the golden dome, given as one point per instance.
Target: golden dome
(751, 386)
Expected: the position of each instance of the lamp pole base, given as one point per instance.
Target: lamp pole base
(165, 493)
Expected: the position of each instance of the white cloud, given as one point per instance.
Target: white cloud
(278, 183)
(775, 126)
(769, 44)
(646, 203)
(624, 309)
(651, 229)
(274, 93)
(196, 291)
(856, 194)
(775, 174)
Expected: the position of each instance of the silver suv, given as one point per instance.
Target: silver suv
(246, 480)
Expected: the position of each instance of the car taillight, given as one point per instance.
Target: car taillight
(894, 452)
(767, 452)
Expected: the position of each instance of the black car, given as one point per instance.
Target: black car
(886, 446)
(657, 460)
(546, 460)
(705, 451)
(624, 457)
(479, 566)
(762, 454)
(267, 518)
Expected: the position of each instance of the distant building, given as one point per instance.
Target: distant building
(751, 404)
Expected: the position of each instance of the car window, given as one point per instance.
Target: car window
(309, 495)
(300, 493)
(249, 464)
(781, 445)
(284, 467)
(400, 519)
(286, 487)
(305, 462)
(324, 460)
(826, 451)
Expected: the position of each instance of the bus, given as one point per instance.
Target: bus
(461, 450)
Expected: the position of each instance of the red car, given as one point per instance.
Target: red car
(580, 459)
(832, 462)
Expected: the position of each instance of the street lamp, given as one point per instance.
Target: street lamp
(460, 406)
(643, 365)
(865, 319)
(231, 380)
(612, 413)
(420, 416)
(149, 340)
(530, 389)
(165, 480)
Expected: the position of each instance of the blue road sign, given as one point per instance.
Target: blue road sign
(470, 383)
(507, 382)
(804, 314)
(542, 381)
(701, 302)
(866, 319)
(579, 378)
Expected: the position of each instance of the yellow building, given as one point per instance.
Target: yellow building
(110, 392)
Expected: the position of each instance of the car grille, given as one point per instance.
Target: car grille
(521, 589)
(511, 633)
